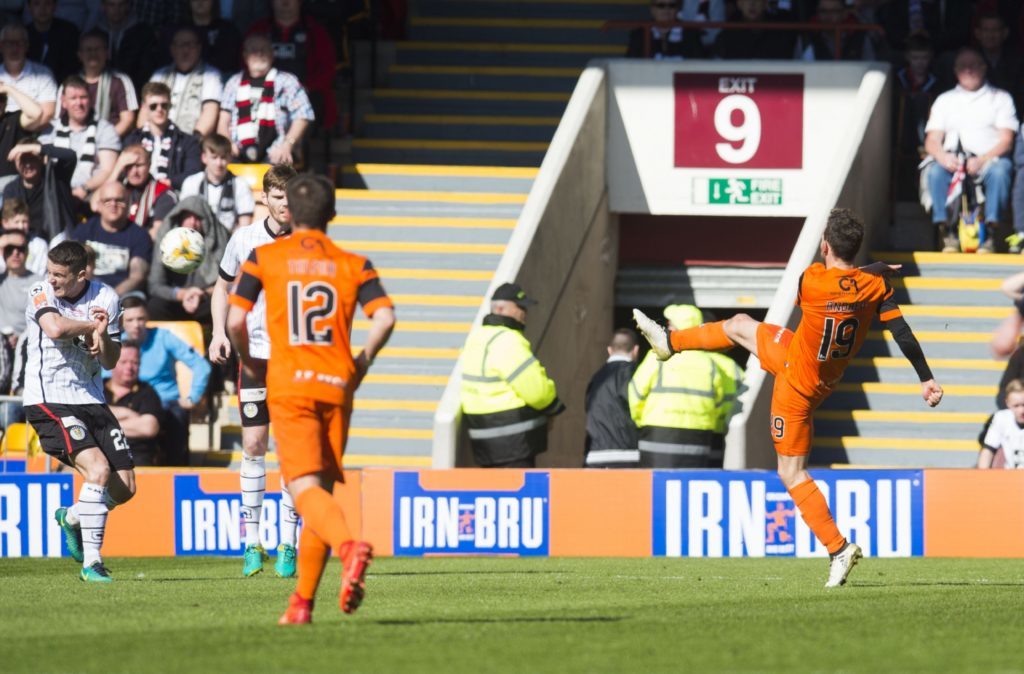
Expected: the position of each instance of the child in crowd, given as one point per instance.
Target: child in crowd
(228, 195)
(1006, 432)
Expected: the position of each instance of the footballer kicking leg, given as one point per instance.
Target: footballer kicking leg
(252, 404)
(311, 439)
(740, 330)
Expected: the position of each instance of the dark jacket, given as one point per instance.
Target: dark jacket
(186, 153)
(164, 283)
(755, 44)
(57, 49)
(51, 210)
(609, 424)
(687, 44)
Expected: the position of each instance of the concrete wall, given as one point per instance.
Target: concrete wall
(563, 252)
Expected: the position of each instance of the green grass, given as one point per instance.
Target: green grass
(510, 615)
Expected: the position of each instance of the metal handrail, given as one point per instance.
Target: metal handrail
(838, 29)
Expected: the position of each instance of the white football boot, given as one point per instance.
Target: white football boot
(842, 563)
(653, 333)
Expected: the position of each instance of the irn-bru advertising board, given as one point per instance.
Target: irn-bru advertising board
(889, 513)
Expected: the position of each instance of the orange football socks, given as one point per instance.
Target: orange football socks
(813, 508)
(312, 560)
(324, 516)
(707, 337)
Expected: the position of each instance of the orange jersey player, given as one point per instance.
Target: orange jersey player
(838, 301)
(312, 288)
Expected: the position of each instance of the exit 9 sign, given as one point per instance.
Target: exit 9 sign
(745, 121)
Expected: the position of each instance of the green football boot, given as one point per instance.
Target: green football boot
(72, 535)
(284, 567)
(97, 573)
(255, 555)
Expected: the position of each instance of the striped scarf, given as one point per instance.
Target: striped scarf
(62, 138)
(257, 128)
(161, 155)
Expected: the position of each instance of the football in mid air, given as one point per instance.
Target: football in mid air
(182, 250)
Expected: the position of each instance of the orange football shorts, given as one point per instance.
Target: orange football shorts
(792, 412)
(311, 436)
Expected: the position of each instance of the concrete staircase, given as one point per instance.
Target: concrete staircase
(443, 161)
(876, 417)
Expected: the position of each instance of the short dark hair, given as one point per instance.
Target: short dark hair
(217, 144)
(14, 207)
(94, 34)
(70, 254)
(155, 89)
(130, 343)
(277, 177)
(311, 201)
(624, 340)
(74, 82)
(132, 302)
(844, 233)
(918, 42)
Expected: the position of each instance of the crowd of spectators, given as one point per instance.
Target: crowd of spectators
(958, 90)
(119, 120)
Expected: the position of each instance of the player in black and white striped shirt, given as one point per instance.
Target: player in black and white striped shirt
(73, 332)
(252, 393)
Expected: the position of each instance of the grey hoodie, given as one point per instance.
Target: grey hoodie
(162, 281)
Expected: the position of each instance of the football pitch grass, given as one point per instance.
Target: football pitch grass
(198, 615)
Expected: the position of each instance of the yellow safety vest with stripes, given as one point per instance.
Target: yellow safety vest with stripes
(506, 393)
(732, 378)
(682, 392)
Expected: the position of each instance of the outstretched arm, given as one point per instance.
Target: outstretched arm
(911, 348)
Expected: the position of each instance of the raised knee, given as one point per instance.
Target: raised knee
(98, 474)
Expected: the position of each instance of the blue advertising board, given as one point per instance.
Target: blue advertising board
(27, 503)
(750, 513)
(211, 523)
(471, 522)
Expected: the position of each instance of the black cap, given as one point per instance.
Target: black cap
(513, 292)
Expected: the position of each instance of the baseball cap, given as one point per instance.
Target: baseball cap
(683, 316)
(513, 292)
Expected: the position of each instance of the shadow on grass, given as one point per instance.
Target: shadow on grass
(481, 621)
(935, 583)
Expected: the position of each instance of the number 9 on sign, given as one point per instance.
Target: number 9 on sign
(747, 132)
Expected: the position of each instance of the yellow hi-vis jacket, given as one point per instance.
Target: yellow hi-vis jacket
(732, 378)
(670, 399)
(506, 393)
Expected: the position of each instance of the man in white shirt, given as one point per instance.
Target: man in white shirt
(94, 141)
(33, 79)
(982, 121)
(195, 86)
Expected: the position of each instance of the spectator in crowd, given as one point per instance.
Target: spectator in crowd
(15, 220)
(51, 40)
(136, 406)
(821, 45)
(123, 250)
(94, 141)
(29, 77)
(15, 126)
(915, 90)
(161, 12)
(44, 183)
(754, 43)
(132, 46)
(195, 86)
(303, 48)
(664, 41)
(149, 199)
(1002, 63)
(948, 24)
(174, 154)
(611, 433)
(261, 93)
(675, 402)
(229, 196)
(80, 13)
(1005, 432)
(161, 350)
(14, 285)
(181, 297)
(507, 396)
(221, 39)
(111, 92)
(704, 10)
(980, 120)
